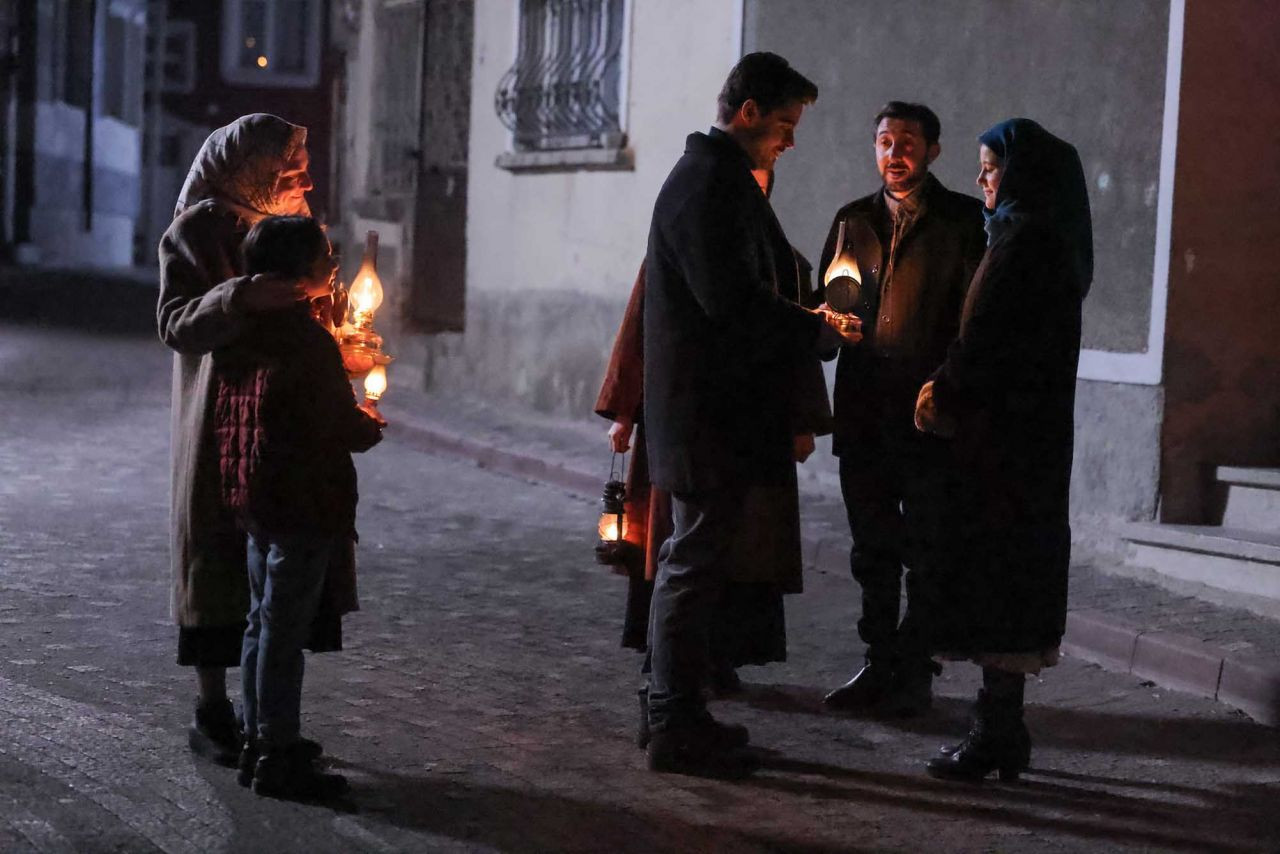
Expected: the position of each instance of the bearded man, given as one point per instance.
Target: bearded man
(917, 245)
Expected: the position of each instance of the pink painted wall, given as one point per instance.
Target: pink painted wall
(1222, 351)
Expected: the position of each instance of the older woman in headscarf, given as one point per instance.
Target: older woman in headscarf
(252, 168)
(1006, 393)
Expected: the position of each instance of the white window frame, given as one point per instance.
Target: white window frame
(232, 36)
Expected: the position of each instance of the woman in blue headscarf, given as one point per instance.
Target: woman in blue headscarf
(1006, 394)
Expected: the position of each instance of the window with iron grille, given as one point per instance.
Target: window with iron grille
(565, 89)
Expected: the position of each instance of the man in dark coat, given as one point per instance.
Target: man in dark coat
(721, 347)
(916, 245)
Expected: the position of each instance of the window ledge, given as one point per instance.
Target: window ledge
(568, 160)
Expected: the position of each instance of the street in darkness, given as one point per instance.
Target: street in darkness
(482, 702)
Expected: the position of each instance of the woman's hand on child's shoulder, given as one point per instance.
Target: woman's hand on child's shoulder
(268, 291)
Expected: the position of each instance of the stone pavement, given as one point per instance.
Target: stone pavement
(482, 703)
(1172, 639)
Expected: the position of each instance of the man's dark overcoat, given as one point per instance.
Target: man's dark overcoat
(877, 379)
(721, 344)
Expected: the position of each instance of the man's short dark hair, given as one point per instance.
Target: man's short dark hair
(767, 79)
(287, 245)
(909, 112)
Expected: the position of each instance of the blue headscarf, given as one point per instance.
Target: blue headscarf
(1042, 180)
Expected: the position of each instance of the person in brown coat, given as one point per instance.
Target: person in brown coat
(252, 168)
(749, 626)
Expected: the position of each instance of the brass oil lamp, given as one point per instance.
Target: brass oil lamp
(359, 343)
(842, 280)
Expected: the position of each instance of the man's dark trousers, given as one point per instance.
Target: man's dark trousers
(692, 570)
(894, 480)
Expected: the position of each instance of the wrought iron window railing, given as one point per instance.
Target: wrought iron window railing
(565, 88)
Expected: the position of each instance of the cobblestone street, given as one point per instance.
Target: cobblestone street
(482, 702)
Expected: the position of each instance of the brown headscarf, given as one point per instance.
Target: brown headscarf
(238, 165)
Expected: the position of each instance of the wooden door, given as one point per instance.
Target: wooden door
(437, 301)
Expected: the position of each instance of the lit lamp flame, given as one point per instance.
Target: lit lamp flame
(366, 295)
(375, 383)
(613, 528)
(843, 279)
(360, 344)
(613, 548)
(843, 265)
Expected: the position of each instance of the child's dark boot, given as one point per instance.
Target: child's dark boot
(287, 773)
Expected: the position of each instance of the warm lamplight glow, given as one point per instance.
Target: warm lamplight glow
(366, 293)
(262, 62)
(843, 265)
(612, 528)
(375, 383)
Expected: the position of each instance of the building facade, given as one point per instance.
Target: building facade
(209, 64)
(578, 110)
(73, 132)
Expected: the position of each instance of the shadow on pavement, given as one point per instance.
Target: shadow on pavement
(94, 301)
(525, 819)
(1237, 819)
(1235, 740)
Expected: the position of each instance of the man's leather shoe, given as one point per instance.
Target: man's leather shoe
(716, 733)
(682, 750)
(864, 691)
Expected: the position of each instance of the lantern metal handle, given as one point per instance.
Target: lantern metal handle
(614, 471)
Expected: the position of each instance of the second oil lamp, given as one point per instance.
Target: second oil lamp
(359, 343)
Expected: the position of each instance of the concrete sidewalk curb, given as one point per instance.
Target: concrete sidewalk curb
(436, 441)
(1250, 683)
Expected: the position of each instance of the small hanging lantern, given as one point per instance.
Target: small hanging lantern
(613, 548)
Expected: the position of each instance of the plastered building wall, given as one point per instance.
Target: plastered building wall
(551, 257)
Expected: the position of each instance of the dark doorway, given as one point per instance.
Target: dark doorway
(437, 301)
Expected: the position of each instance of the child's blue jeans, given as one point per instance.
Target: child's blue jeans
(286, 578)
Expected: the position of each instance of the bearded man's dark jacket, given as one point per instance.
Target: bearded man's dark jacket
(878, 378)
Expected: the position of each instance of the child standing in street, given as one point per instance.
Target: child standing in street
(286, 423)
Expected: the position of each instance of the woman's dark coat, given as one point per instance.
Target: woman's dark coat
(1010, 380)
